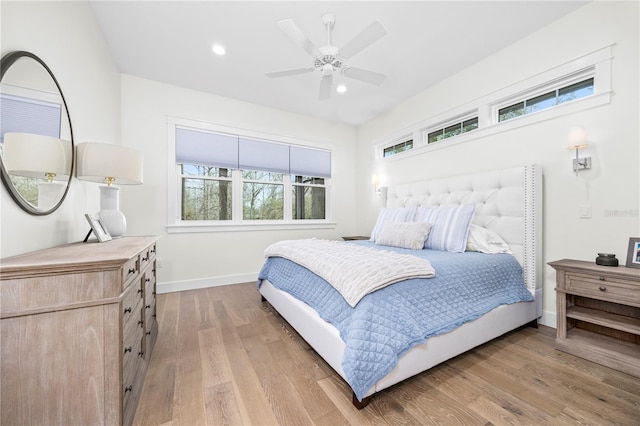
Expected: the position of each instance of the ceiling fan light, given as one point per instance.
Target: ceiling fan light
(327, 70)
(341, 88)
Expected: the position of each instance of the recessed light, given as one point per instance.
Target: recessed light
(218, 49)
(341, 88)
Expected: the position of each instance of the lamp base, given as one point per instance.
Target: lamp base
(110, 215)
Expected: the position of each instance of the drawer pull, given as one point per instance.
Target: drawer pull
(140, 354)
(148, 333)
(147, 280)
(127, 310)
(140, 323)
(132, 271)
(139, 290)
(129, 349)
(602, 278)
(148, 306)
(153, 250)
(144, 259)
(128, 389)
(602, 288)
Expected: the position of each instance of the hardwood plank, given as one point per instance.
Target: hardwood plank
(189, 395)
(285, 401)
(247, 366)
(155, 389)
(253, 403)
(222, 406)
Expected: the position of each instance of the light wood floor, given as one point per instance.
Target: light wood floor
(223, 357)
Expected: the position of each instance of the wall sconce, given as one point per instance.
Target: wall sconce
(376, 181)
(578, 139)
(108, 163)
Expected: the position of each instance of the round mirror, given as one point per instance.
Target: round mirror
(36, 138)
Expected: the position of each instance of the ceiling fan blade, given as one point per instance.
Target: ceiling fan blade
(364, 75)
(368, 36)
(295, 33)
(286, 73)
(325, 87)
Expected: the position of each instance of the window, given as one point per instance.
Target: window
(206, 192)
(453, 130)
(262, 195)
(547, 100)
(577, 85)
(309, 195)
(231, 179)
(398, 148)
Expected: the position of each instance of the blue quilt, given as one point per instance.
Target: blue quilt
(390, 321)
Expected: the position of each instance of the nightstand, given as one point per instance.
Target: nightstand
(598, 313)
(355, 237)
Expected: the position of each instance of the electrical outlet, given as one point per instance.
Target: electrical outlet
(585, 211)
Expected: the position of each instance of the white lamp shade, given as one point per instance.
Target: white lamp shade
(101, 162)
(577, 138)
(37, 156)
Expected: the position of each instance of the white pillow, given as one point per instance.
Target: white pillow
(486, 241)
(450, 226)
(409, 235)
(399, 214)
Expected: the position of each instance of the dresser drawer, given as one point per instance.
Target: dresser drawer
(133, 365)
(602, 287)
(131, 301)
(130, 271)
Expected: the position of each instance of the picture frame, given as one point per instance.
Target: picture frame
(633, 253)
(97, 228)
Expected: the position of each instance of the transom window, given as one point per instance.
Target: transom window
(547, 100)
(398, 148)
(570, 87)
(453, 130)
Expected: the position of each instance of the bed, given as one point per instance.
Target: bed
(506, 202)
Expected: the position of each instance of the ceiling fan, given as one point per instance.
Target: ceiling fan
(330, 59)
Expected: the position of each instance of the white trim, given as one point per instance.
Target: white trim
(173, 286)
(176, 225)
(203, 226)
(600, 60)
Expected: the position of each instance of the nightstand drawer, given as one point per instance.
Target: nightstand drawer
(602, 287)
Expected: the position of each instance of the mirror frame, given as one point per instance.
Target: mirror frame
(7, 61)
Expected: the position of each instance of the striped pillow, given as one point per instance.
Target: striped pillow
(450, 226)
(399, 214)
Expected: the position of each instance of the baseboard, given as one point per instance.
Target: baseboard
(169, 287)
(548, 319)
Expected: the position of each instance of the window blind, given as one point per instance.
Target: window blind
(310, 162)
(264, 156)
(206, 148)
(25, 115)
(234, 152)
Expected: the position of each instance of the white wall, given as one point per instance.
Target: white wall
(191, 260)
(66, 37)
(612, 185)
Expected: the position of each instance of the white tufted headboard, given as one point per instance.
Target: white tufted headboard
(508, 202)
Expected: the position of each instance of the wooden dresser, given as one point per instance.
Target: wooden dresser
(598, 313)
(77, 330)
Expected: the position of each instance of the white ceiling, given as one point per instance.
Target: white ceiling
(426, 41)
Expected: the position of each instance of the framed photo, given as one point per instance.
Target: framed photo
(98, 229)
(633, 254)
